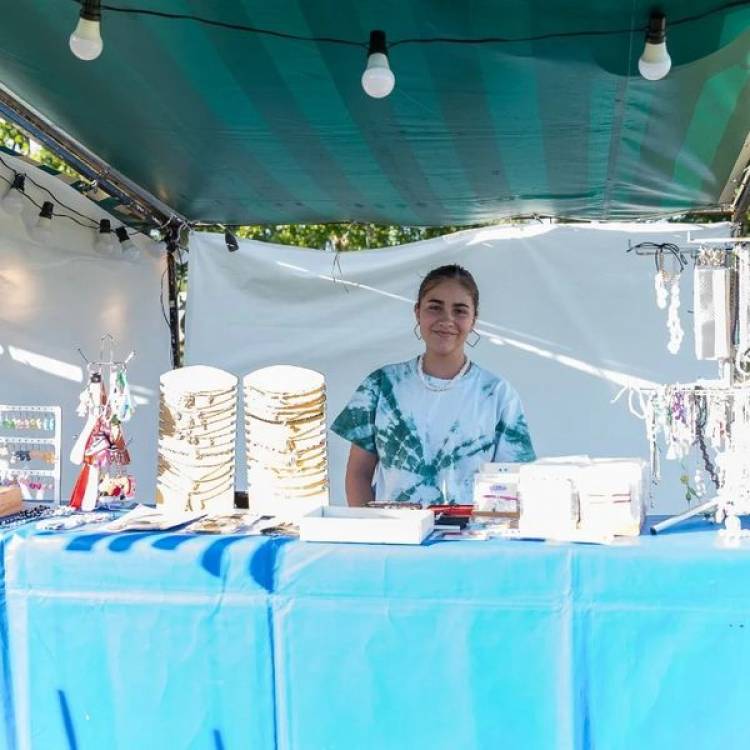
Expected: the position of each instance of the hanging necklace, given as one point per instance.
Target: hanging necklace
(667, 287)
(449, 383)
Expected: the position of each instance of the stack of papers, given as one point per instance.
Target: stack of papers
(146, 518)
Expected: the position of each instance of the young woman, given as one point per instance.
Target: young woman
(421, 429)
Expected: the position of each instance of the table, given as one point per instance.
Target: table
(139, 641)
(167, 640)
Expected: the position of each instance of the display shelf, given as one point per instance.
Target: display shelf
(19, 435)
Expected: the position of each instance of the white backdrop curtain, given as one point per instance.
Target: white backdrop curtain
(60, 295)
(566, 315)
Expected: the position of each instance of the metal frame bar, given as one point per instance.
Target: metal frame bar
(146, 207)
(149, 208)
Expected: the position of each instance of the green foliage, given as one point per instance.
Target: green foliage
(16, 140)
(340, 237)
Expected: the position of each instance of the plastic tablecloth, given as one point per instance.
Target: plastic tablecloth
(168, 640)
(138, 641)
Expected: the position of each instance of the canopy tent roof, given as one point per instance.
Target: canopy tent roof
(228, 126)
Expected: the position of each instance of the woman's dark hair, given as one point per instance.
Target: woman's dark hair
(453, 272)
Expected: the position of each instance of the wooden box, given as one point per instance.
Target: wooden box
(11, 500)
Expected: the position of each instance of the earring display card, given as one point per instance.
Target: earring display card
(30, 441)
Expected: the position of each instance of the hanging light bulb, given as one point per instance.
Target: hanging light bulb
(86, 41)
(128, 249)
(42, 230)
(378, 79)
(13, 201)
(655, 61)
(105, 240)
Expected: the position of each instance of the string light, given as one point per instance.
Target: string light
(230, 238)
(378, 79)
(13, 201)
(86, 40)
(127, 248)
(105, 241)
(42, 230)
(655, 61)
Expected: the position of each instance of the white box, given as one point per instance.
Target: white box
(612, 496)
(288, 510)
(548, 504)
(366, 525)
(576, 495)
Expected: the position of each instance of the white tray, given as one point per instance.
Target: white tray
(366, 525)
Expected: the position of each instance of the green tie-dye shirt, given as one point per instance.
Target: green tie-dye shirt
(431, 443)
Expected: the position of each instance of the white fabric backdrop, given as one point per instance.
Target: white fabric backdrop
(61, 295)
(565, 315)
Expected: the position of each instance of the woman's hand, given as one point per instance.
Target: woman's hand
(359, 472)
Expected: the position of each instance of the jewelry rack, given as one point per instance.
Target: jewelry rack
(100, 448)
(40, 485)
(102, 362)
(733, 371)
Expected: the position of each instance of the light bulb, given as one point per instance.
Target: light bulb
(42, 230)
(129, 251)
(655, 61)
(378, 79)
(86, 40)
(105, 240)
(13, 201)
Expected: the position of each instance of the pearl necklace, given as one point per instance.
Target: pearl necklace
(423, 377)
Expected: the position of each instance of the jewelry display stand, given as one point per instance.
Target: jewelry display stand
(688, 405)
(101, 449)
(30, 444)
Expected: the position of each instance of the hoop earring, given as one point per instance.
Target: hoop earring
(416, 332)
(476, 340)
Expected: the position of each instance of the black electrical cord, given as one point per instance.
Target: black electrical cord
(415, 40)
(94, 224)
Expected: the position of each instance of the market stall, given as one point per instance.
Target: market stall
(539, 613)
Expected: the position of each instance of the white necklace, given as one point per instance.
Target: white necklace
(667, 286)
(449, 384)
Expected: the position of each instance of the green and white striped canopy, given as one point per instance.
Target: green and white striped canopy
(230, 126)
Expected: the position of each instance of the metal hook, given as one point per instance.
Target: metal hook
(102, 341)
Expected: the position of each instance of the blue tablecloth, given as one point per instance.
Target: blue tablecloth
(171, 641)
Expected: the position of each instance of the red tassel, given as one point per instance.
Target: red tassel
(76, 497)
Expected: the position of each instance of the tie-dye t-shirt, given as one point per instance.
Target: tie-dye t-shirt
(431, 443)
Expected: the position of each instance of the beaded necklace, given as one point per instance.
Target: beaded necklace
(449, 384)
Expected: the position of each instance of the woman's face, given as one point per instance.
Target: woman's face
(445, 316)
